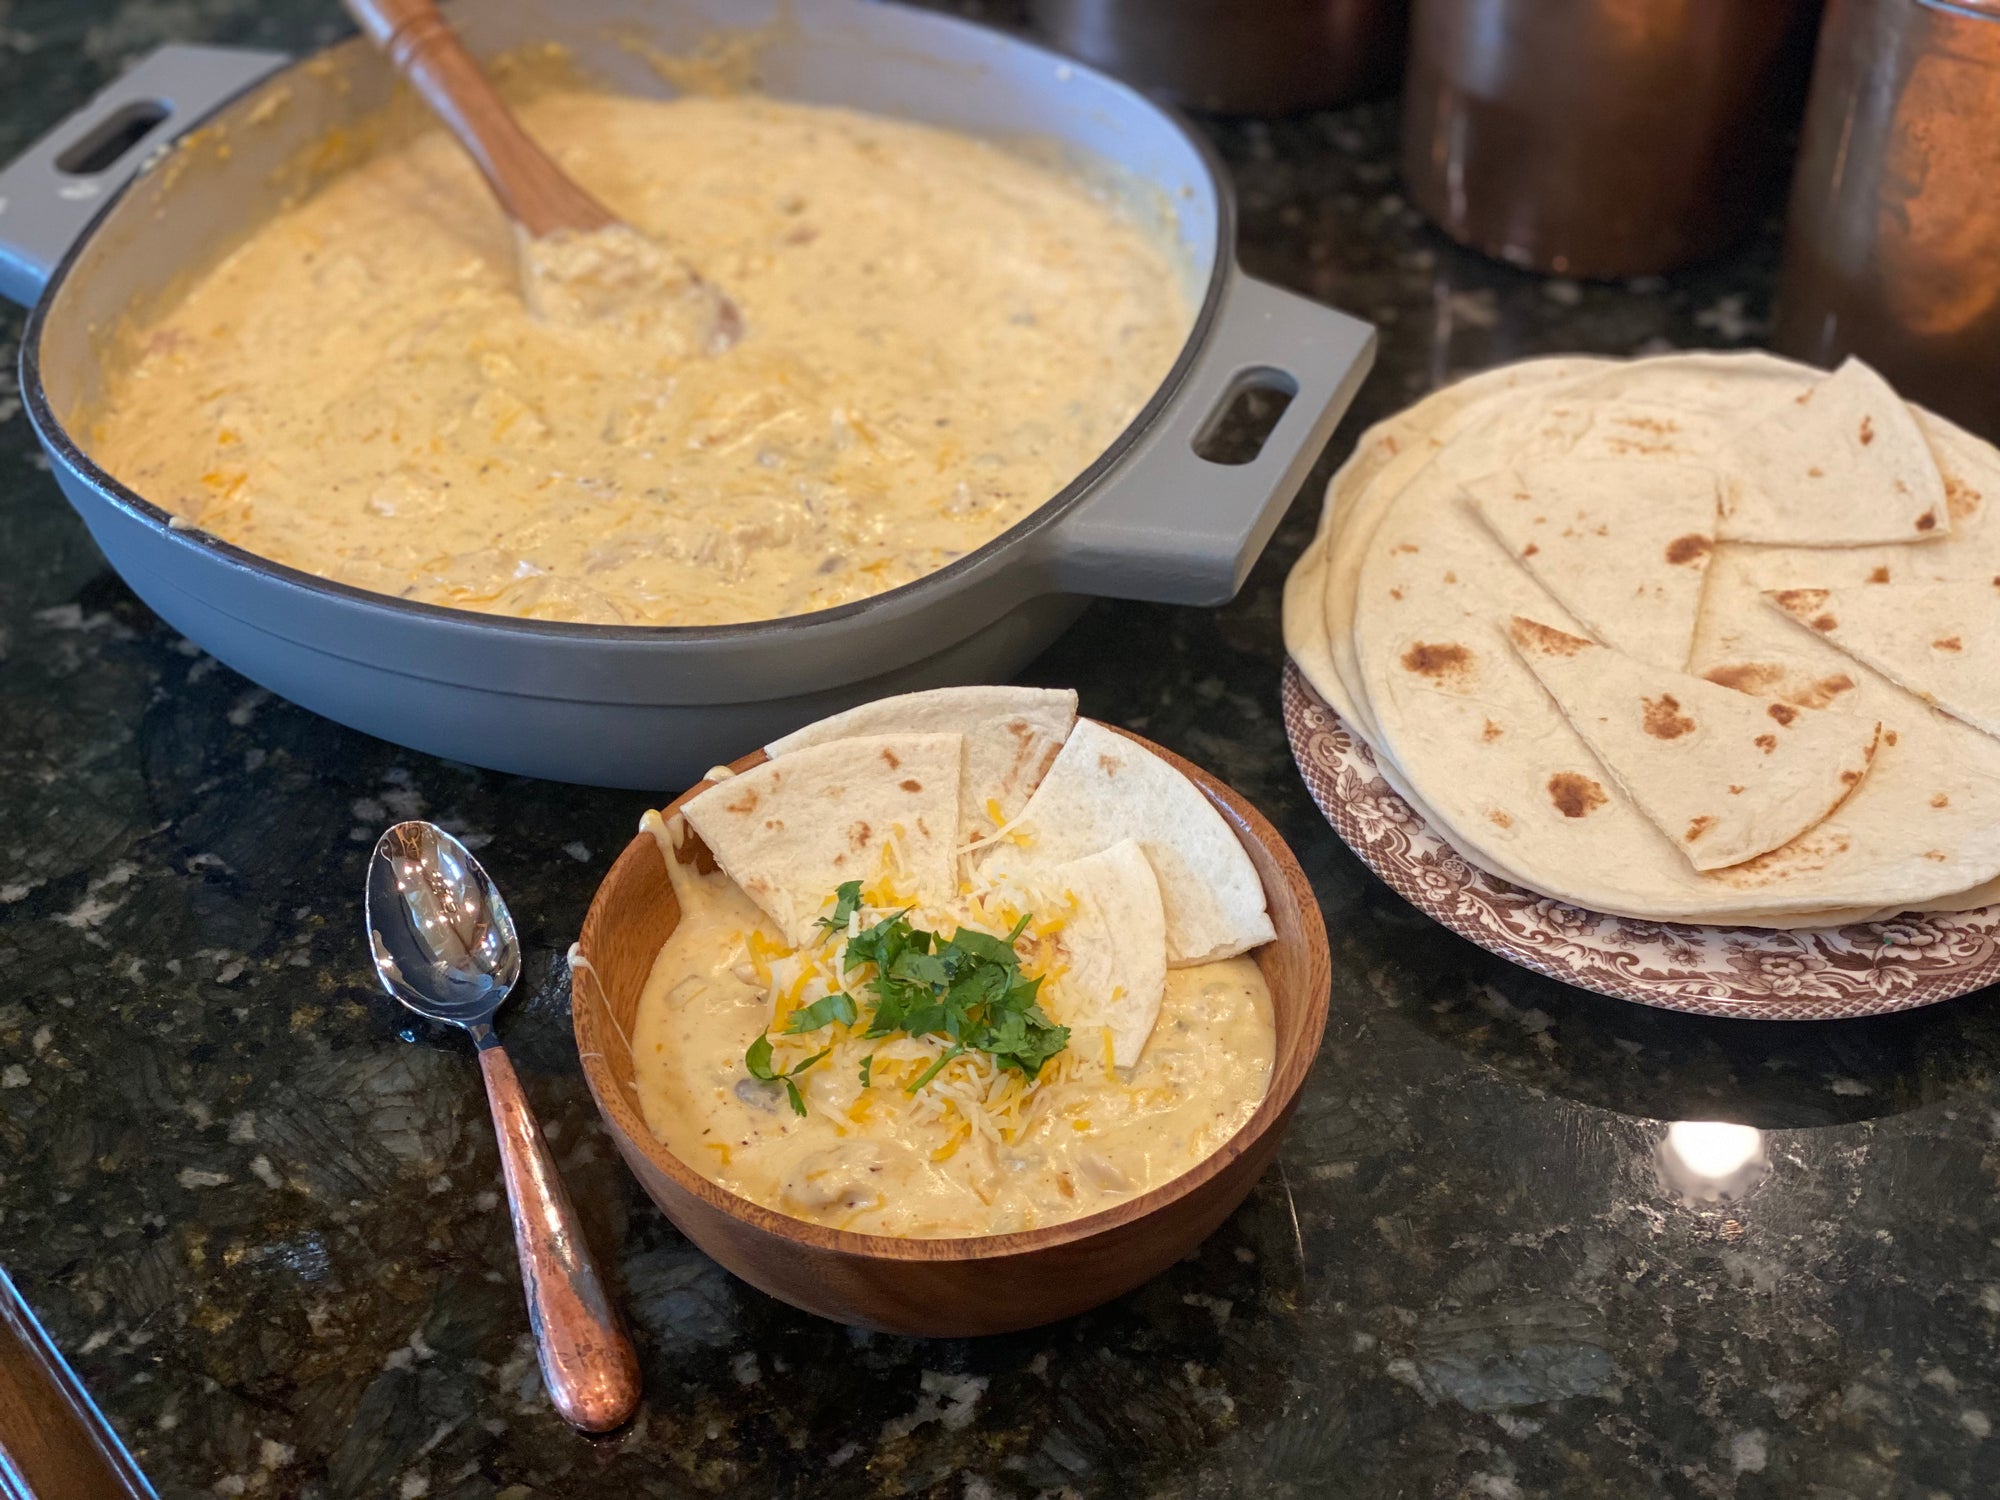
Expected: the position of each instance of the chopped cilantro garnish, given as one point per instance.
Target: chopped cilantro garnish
(758, 1060)
(967, 988)
(846, 902)
(839, 1006)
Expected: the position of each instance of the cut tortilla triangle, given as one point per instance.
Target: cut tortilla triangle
(1622, 544)
(1104, 788)
(1011, 736)
(1940, 641)
(1842, 464)
(1114, 949)
(794, 829)
(1724, 775)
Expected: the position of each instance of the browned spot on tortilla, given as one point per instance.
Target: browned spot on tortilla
(1575, 796)
(1784, 713)
(1697, 828)
(1664, 719)
(1902, 488)
(1746, 677)
(1650, 424)
(1848, 778)
(1736, 791)
(1501, 818)
(1110, 765)
(1937, 854)
(1825, 622)
(1822, 692)
(1685, 549)
(1961, 500)
(1389, 442)
(1948, 643)
(1815, 473)
(1867, 432)
(1939, 799)
(1404, 547)
(911, 784)
(890, 756)
(1532, 635)
(1800, 601)
(1880, 575)
(1927, 521)
(923, 828)
(1766, 742)
(1530, 550)
(1804, 398)
(746, 804)
(1446, 662)
(1888, 736)
(1395, 593)
(1811, 851)
(1491, 732)
(1451, 578)
(859, 835)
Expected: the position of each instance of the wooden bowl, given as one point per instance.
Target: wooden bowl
(945, 1287)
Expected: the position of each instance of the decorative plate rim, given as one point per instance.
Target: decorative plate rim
(1835, 973)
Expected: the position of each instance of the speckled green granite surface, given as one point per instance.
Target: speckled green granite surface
(264, 1220)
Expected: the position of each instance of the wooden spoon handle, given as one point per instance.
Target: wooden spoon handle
(536, 193)
(588, 1365)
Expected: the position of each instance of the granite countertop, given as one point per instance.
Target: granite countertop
(264, 1219)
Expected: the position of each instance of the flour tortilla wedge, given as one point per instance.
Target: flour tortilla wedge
(1843, 464)
(1622, 544)
(1011, 736)
(793, 829)
(1839, 916)
(1319, 609)
(1114, 948)
(1726, 776)
(1940, 641)
(1104, 789)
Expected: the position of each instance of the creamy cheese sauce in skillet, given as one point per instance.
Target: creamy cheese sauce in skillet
(974, 1152)
(937, 336)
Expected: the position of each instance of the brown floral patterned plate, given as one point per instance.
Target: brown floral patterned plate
(1833, 973)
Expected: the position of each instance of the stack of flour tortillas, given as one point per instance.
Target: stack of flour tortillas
(954, 792)
(1702, 638)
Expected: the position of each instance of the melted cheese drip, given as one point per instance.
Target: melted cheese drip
(1085, 1137)
(937, 336)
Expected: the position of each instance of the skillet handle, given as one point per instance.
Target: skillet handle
(1171, 527)
(51, 192)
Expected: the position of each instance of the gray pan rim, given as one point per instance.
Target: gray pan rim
(55, 435)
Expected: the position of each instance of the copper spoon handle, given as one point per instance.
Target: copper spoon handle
(536, 193)
(588, 1365)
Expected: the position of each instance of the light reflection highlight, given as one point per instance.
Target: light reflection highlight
(1712, 1161)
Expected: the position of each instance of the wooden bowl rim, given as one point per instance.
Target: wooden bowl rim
(1287, 1078)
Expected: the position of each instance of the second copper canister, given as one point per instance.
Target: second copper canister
(1602, 137)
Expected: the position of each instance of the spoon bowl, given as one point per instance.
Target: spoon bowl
(443, 940)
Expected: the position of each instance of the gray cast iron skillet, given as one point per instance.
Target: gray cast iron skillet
(83, 240)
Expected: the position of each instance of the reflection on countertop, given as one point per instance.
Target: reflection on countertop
(1521, 1242)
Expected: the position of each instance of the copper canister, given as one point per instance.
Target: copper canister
(1256, 57)
(1893, 250)
(1601, 137)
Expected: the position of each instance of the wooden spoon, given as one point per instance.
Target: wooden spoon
(547, 204)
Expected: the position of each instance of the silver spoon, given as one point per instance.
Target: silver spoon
(444, 944)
